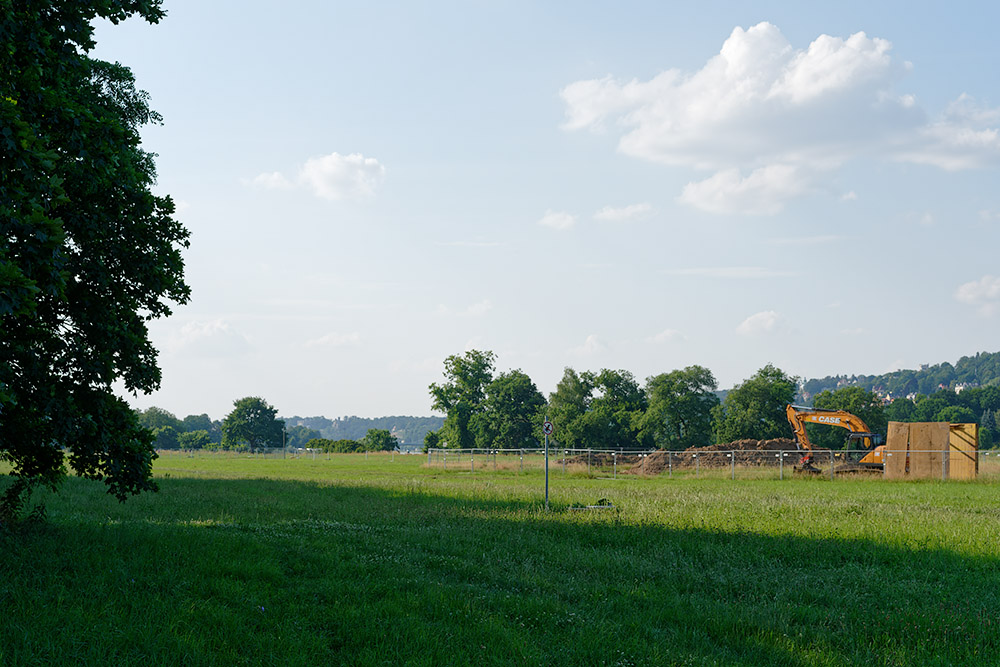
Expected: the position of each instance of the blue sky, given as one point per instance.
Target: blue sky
(372, 187)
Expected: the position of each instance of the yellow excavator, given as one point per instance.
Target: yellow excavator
(860, 438)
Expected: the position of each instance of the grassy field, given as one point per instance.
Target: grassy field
(384, 561)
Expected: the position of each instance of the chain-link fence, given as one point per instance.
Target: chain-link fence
(720, 463)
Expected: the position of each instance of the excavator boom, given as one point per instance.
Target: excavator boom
(799, 416)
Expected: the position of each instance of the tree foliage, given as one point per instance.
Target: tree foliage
(89, 254)
(253, 424)
(512, 413)
(680, 408)
(379, 440)
(461, 396)
(755, 409)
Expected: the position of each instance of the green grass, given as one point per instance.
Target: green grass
(383, 562)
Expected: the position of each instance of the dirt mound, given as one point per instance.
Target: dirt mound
(747, 453)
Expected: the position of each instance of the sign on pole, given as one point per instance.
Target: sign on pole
(547, 430)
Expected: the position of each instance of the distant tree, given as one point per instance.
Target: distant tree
(512, 413)
(755, 409)
(614, 417)
(461, 395)
(194, 439)
(379, 440)
(432, 440)
(166, 438)
(252, 424)
(154, 417)
(680, 408)
(298, 436)
(567, 405)
(900, 410)
(200, 422)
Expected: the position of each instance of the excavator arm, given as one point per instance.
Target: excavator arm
(799, 416)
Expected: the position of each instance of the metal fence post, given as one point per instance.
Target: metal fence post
(944, 465)
(781, 465)
(732, 465)
(472, 460)
(522, 459)
(614, 462)
(565, 455)
(670, 464)
(831, 465)
(697, 466)
(588, 461)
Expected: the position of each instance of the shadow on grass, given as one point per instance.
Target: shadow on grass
(213, 571)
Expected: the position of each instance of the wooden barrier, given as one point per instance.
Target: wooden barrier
(963, 451)
(896, 447)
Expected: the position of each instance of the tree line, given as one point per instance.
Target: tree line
(610, 409)
(251, 425)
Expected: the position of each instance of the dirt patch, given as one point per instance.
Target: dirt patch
(747, 453)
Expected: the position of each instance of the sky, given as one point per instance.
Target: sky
(374, 186)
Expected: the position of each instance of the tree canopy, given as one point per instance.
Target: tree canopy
(680, 408)
(253, 424)
(755, 409)
(89, 254)
(460, 397)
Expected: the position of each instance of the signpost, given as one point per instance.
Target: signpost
(547, 430)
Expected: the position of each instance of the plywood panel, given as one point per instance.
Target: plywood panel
(895, 449)
(963, 451)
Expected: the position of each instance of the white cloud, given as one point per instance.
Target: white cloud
(763, 192)
(274, 180)
(334, 177)
(558, 220)
(590, 347)
(611, 214)
(984, 294)
(337, 176)
(760, 323)
(212, 339)
(734, 272)
(784, 116)
(335, 340)
(849, 196)
(666, 336)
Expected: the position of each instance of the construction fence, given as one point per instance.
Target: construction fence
(946, 463)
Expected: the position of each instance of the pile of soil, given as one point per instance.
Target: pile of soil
(747, 452)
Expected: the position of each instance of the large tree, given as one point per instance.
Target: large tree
(598, 411)
(88, 254)
(679, 414)
(252, 424)
(512, 413)
(461, 396)
(755, 409)
(567, 405)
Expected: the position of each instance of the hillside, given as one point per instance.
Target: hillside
(981, 370)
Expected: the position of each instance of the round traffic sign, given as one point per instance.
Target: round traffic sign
(547, 427)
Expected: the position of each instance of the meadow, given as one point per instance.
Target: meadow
(384, 560)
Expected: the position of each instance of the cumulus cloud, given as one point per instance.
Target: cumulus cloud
(984, 294)
(334, 177)
(666, 336)
(763, 322)
(612, 214)
(212, 339)
(593, 345)
(772, 121)
(559, 220)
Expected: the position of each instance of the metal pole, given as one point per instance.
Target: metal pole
(588, 461)
(565, 456)
(522, 460)
(546, 472)
(472, 460)
(697, 466)
(944, 465)
(831, 465)
(670, 464)
(732, 465)
(781, 465)
(614, 462)
(446, 461)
